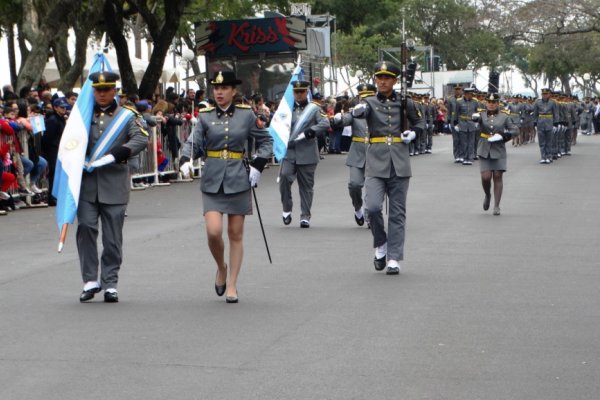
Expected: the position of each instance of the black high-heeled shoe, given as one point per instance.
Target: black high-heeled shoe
(220, 289)
(231, 299)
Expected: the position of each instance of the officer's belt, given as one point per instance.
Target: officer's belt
(465, 118)
(545, 115)
(360, 139)
(224, 154)
(385, 139)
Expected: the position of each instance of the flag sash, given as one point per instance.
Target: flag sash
(108, 136)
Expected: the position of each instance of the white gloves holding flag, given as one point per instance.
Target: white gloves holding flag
(475, 117)
(105, 160)
(253, 176)
(187, 169)
(496, 137)
(408, 136)
(337, 118)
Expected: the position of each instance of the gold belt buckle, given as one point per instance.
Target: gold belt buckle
(224, 154)
(389, 140)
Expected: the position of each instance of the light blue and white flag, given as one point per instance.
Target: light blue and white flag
(281, 123)
(71, 151)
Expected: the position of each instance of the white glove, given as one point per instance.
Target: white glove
(554, 129)
(496, 137)
(456, 128)
(105, 160)
(408, 136)
(358, 110)
(475, 117)
(187, 169)
(337, 118)
(253, 176)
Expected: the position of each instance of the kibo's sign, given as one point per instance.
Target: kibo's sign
(251, 36)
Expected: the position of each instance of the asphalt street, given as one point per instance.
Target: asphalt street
(487, 307)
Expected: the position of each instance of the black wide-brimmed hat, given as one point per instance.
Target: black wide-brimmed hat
(225, 78)
(104, 79)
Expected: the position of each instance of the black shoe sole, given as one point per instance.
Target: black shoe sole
(379, 263)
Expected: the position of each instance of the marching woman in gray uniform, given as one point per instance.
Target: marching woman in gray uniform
(387, 165)
(357, 154)
(497, 128)
(220, 136)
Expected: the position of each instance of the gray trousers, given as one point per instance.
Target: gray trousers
(456, 148)
(396, 189)
(306, 182)
(467, 145)
(355, 185)
(545, 142)
(112, 217)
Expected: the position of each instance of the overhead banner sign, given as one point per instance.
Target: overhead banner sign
(251, 36)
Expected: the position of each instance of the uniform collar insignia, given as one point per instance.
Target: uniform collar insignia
(300, 104)
(229, 111)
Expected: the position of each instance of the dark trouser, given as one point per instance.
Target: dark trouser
(306, 182)
(429, 138)
(456, 147)
(112, 217)
(467, 140)
(397, 190)
(355, 185)
(545, 142)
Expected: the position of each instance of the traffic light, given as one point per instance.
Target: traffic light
(493, 81)
(410, 73)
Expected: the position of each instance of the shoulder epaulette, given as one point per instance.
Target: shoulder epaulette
(132, 109)
(316, 103)
(371, 94)
(244, 106)
(480, 109)
(206, 109)
(505, 111)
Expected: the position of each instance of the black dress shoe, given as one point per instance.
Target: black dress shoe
(287, 220)
(379, 263)
(392, 271)
(87, 295)
(111, 297)
(360, 221)
(486, 202)
(304, 224)
(220, 289)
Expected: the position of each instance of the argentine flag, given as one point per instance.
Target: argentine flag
(281, 123)
(72, 149)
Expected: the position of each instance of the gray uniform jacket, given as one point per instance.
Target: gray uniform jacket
(491, 124)
(515, 112)
(358, 150)
(384, 119)
(545, 113)
(306, 151)
(219, 130)
(110, 183)
(587, 113)
(464, 112)
(451, 118)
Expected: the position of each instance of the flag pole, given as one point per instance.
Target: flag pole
(63, 237)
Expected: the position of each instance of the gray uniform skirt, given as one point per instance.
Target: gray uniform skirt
(235, 203)
(492, 164)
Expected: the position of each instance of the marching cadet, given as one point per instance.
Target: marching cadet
(515, 112)
(558, 139)
(546, 118)
(452, 122)
(528, 129)
(387, 165)
(496, 129)
(357, 154)
(574, 125)
(586, 116)
(116, 135)
(430, 124)
(465, 108)
(302, 156)
(221, 135)
(416, 146)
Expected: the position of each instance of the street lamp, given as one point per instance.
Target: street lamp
(188, 56)
(586, 79)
